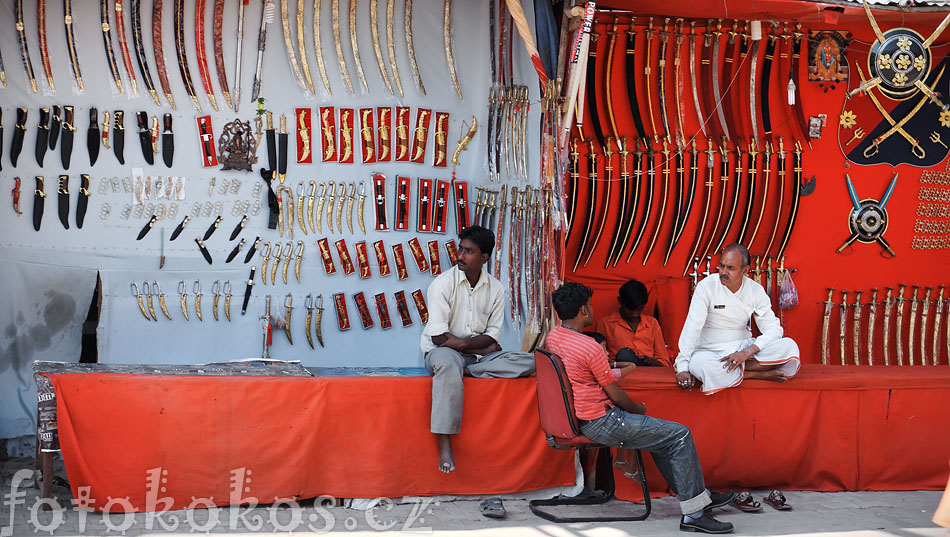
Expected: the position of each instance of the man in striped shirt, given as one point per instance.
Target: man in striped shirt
(608, 416)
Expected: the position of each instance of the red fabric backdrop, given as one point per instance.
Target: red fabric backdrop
(822, 220)
(304, 437)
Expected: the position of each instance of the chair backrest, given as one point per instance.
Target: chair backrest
(555, 396)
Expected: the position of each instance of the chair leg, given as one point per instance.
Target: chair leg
(535, 505)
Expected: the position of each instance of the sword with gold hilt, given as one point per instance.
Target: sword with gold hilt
(265, 255)
(938, 314)
(842, 329)
(366, 133)
(276, 265)
(925, 312)
(321, 200)
(288, 311)
(856, 329)
(157, 290)
(829, 303)
(149, 297)
(285, 205)
(300, 201)
(872, 318)
(310, 199)
(331, 202)
(138, 298)
(888, 306)
(227, 299)
(318, 321)
(341, 199)
(914, 304)
(360, 209)
(900, 323)
(288, 253)
(350, 202)
(757, 270)
(299, 254)
(308, 304)
(216, 297)
(500, 231)
(198, 295)
(183, 291)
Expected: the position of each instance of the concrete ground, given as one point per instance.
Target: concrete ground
(843, 514)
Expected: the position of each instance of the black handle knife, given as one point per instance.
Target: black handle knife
(93, 136)
(212, 228)
(147, 228)
(42, 137)
(145, 137)
(63, 198)
(238, 228)
(252, 251)
(118, 136)
(235, 251)
(168, 141)
(54, 127)
(180, 228)
(282, 150)
(247, 291)
(39, 201)
(69, 132)
(271, 145)
(204, 250)
(82, 201)
(18, 131)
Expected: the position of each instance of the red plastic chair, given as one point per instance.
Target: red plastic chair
(556, 409)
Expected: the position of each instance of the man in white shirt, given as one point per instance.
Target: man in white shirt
(716, 345)
(466, 311)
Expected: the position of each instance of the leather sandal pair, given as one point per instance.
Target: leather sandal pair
(777, 500)
(745, 502)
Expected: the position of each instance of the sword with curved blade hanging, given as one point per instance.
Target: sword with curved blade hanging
(793, 76)
(735, 199)
(706, 75)
(766, 174)
(390, 15)
(647, 71)
(938, 310)
(924, 314)
(692, 77)
(592, 202)
(377, 49)
(605, 209)
(677, 60)
(44, 50)
(591, 91)
(183, 69)
(267, 17)
(159, 52)
(617, 244)
(291, 55)
(666, 188)
(723, 187)
(338, 41)
(70, 44)
(140, 50)
(123, 45)
(25, 47)
(764, 108)
(747, 212)
(710, 169)
(730, 68)
(898, 336)
(302, 48)
(872, 319)
(217, 36)
(631, 80)
(355, 45)
(412, 49)
(678, 205)
(661, 81)
(202, 52)
(447, 37)
(717, 82)
(573, 182)
(754, 58)
(781, 192)
(318, 46)
(798, 189)
(648, 200)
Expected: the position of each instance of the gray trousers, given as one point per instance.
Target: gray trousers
(448, 366)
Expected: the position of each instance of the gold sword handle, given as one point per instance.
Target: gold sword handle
(464, 141)
(288, 311)
(350, 201)
(318, 322)
(341, 200)
(825, 325)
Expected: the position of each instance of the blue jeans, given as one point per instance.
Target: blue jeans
(670, 444)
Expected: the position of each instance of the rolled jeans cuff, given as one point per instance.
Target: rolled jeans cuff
(696, 503)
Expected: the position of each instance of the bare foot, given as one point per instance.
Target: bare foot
(771, 374)
(446, 460)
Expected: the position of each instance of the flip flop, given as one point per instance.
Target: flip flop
(745, 502)
(492, 508)
(777, 500)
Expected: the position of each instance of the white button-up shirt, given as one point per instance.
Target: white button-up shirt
(462, 310)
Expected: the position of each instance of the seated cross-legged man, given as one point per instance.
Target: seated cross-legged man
(633, 336)
(608, 416)
(716, 345)
(466, 310)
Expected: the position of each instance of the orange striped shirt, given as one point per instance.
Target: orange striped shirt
(587, 369)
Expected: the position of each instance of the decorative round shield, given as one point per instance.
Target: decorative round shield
(900, 60)
(869, 222)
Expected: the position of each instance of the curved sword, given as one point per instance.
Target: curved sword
(911, 335)
(872, 319)
(302, 48)
(605, 209)
(764, 88)
(716, 81)
(842, 327)
(265, 257)
(626, 209)
(677, 206)
(631, 80)
(710, 169)
(412, 50)
(202, 52)
(341, 199)
(182, 290)
(157, 289)
(291, 55)
(898, 336)
(924, 314)
(318, 322)
(793, 76)
(123, 45)
(766, 174)
(938, 310)
(310, 200)
(159, 52)
(338, 41)
(216, 292)
(308, 304)
(888, 306)
(592, 202)
(140, 50)
(633, 202)
(690, 193)
(359, 210)
(723, 187)
(70, 44)
(300, 206)
(666, 188)
(781, 192)
(288, 257)
(321, 199)
(647, 71)
(227, 300)
(299, 259)
(217, 36)
(139, 300)
(180, 51)
(692, 77)
(377, 49)
(355, 45)
(149, 296)
(25, 47)
(825, 325)
(447, 37)
(797, 188)
(754, 58)
(44, 51)
(318, 46)
(106, 41)
(647, 201)
(390, 13)
(677, 60)
(747, 212)
(198, 296)
(661, 81)
(709, 54)
(350, 201)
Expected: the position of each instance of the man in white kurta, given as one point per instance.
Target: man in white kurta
(716, 345)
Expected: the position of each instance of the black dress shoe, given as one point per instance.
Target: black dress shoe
(705, 524)
(720, 499)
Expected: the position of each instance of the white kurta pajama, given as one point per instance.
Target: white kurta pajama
(719, 324)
